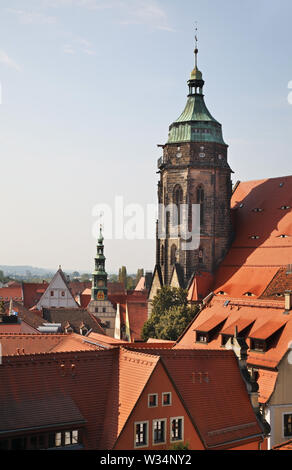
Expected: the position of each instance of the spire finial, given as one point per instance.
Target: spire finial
(196, 44)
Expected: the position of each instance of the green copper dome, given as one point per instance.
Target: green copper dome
(195, 124)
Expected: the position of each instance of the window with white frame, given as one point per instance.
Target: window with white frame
(287, 423)
(152, 400)
(166, 399)
(176, 429)
(141, 434)
(159, 431)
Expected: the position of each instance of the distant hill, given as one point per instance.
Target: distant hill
(25, 271)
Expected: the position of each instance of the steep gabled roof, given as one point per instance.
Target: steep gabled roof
(211, 388)
(22, 344)
(74, 317)
(135, 369)
(267, 317)
(58, 389)
(61, 275)
(263, 241)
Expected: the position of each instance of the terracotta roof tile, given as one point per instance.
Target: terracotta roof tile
(268, 329)
(287, 445)
(211, 388)
(251, 264)
(266, 381)
(262, 312)
(25, 344)
(34, 387)
(32, 293)
(135, 369)
(26, 412)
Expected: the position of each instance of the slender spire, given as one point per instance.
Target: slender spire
(196, 46)
(100, 238)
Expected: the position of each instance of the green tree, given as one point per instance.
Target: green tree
(171, 314)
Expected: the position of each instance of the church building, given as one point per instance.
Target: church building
(194, 173)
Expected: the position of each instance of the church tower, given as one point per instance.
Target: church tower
(99, 305)
(99, 276)
(194, 171)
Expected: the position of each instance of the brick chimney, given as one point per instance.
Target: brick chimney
(288, 306)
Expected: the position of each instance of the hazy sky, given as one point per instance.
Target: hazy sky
(89, 88)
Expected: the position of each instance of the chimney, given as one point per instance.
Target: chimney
(287, 302)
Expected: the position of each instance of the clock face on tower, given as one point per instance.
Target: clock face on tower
(100, 295)
(100, 283)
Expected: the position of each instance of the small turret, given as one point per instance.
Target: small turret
(99, 275)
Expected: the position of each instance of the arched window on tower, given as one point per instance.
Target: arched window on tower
(173, 254)
(177, 200)
(200, 200)
(201, 255)
(162, 255)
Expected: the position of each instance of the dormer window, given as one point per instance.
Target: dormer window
(283, 236)
(249, 294)
(258, 345)
(208, 329)
(284, 208)
(254, 237)
(257, 209)
(263, 338)
(202, 337)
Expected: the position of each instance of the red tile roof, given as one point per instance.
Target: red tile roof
(262, 312)
(200, 286)
(266, 381)
(100, 389)
(14, 293)
(267, 330)
(251, 264)
(135, 369)
(211, 388)
(58, 388)
(32, 293)
(279, 284)
(287, 445)
(25, 344)
(211, 323)
(28, 413)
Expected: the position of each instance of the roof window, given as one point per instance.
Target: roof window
(208, 329)
(255, 237)
(263, 338)
(284, 208)
(249, 294)
(257, 209)
(241, 205)
(283, 236)
(281, 185)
